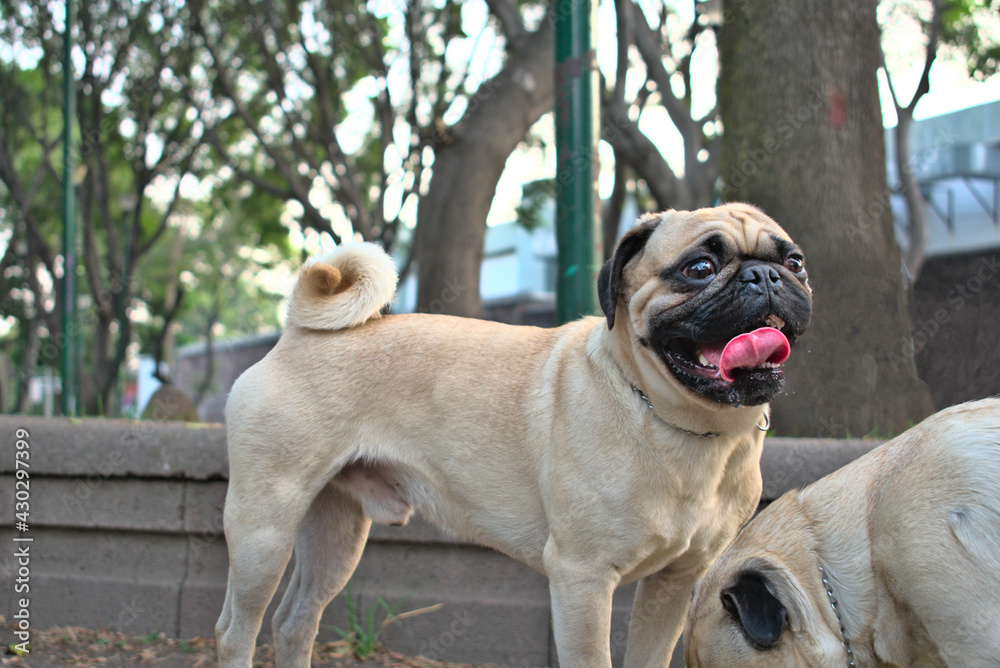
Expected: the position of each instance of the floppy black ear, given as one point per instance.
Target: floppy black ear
(760, 614)
(609, 280)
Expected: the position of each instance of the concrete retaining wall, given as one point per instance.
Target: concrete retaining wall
(126, 522)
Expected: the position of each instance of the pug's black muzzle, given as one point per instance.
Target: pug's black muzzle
(759, 295)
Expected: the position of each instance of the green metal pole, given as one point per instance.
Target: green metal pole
(69, 330)
(577, 223)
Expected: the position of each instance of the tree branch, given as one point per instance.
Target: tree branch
(315, 218)
(92, 261)
(161, 336)
(510, 21)
(924, 84)
(345, 185)
(8, 175)
(623, 17)
(145, 246)
(888, 78)
(259, 183)
(635, 148)
(611, 212)
(648, 44)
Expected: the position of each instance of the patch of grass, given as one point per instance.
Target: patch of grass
(364, 632)
(152, 636)
(16, 651)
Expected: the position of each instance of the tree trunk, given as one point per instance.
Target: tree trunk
(611, 211)
(803, 139)
(451, 221)
(28, 366)
(915, 212)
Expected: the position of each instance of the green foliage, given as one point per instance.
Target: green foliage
(971, 26)
(250, 106)
(317, 119)
(143, 111)
(225, 247)
(293, 68)
(535, 197)
(363, 631)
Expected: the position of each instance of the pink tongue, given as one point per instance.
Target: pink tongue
(749, 351)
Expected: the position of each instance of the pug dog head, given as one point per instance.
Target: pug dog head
(714, 297)
(756, 613)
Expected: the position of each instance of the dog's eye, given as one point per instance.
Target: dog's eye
(700, 269)
(795, 264)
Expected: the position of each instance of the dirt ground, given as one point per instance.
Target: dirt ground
(83, 648)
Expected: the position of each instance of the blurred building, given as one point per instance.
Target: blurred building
(956, 160)
(955, 302)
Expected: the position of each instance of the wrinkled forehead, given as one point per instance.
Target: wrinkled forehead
(750, 230)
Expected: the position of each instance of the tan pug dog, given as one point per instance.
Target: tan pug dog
(908, 540)
(602, 452)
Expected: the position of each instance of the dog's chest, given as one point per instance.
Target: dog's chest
(686, 527)
(693, 537)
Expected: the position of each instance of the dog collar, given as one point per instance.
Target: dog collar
(707, 434)
(840, 622)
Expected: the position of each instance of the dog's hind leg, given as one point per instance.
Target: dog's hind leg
(327, 549)
(260, 529)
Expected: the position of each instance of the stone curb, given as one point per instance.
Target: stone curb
(128, 448)
(127, 520)
(117, 448)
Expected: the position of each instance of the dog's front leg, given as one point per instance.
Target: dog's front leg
(661, 603)
(581, 611)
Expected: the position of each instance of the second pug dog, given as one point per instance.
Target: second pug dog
(894, 560)
(600, 453)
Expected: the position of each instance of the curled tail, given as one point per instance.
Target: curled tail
(343, 289)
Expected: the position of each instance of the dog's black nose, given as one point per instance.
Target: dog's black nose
(760, 278)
